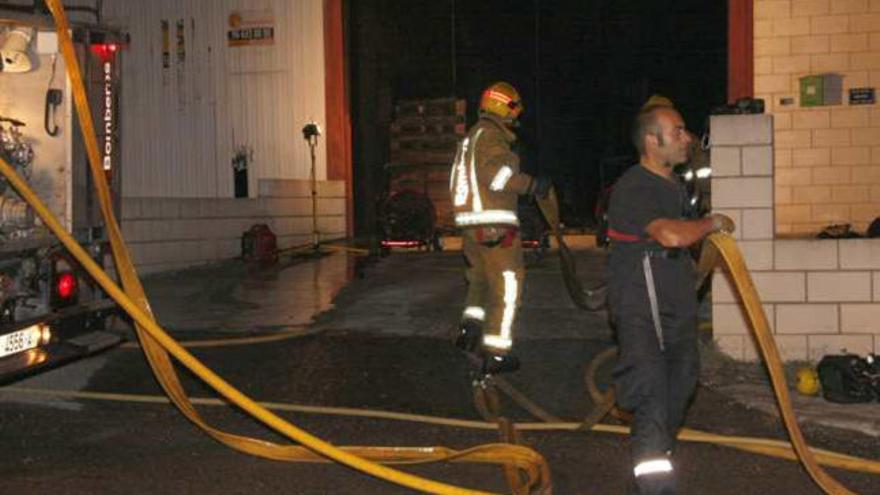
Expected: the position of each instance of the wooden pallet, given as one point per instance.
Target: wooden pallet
(431, 107)
(422, 157)
(427, 128)
(424, 139)
(440, 142)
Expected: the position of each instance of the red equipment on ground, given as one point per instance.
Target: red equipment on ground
(259, 244)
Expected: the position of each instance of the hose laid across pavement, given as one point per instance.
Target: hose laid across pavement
(297, 332)
(763, 446)
(157, 344)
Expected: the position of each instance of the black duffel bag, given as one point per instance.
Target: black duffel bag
(849, 378)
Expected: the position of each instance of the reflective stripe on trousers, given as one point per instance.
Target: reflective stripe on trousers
(495, 279)
(652, 466)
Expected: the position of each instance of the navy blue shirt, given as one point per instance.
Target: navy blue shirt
(640, 197)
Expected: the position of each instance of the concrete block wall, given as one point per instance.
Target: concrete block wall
(172, 233)
(820, 296)
(827, 157)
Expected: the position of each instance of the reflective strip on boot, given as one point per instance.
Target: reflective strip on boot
(653, 466)
(475, 313)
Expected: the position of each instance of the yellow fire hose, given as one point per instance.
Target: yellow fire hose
(489, 406)
(590, 299)
(327, 245)
(157, 344)
(298, 331)
(763, 446)
(726, 247)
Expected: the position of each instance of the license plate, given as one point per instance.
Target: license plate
(21, 340)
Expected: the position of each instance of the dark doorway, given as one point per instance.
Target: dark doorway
(583, 68)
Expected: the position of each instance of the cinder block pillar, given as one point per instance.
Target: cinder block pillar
(742, 188)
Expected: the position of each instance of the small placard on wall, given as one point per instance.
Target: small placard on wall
(861, 96)
(251, 28)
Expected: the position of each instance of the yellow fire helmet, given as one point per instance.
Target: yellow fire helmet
(503, 100)
(807, 381)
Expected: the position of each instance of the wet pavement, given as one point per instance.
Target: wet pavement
(379, 340)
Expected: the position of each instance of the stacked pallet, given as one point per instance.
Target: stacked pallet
(424, 137)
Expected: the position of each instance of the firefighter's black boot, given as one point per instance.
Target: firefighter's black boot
(469, 335)
(494, 364)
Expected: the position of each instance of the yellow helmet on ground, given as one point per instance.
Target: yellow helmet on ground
(807, 381)
(503, 100)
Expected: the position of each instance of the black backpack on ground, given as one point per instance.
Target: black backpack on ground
(874, 228)
(849, 378)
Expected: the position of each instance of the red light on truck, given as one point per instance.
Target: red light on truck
(106, 51)
(65, 285)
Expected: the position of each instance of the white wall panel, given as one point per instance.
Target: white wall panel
(179, 123)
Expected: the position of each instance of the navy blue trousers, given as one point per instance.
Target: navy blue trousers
(655, 385)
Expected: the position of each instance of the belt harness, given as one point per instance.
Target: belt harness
(649, 279)
(652, 297)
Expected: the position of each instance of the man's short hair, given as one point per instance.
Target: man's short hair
(645, 123)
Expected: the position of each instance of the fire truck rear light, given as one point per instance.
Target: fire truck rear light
(105, 50)
(65, 285)
(36, 356)
(45, 334)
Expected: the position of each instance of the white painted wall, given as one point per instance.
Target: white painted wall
(172, 233)
(180, 124)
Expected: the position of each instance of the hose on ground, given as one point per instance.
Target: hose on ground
(159, 347)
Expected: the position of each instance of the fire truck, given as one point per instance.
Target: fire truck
(51, 312)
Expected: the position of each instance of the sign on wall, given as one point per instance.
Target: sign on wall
(251, 28)
(861, 96)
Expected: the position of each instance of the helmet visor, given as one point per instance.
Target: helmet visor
(516, 108)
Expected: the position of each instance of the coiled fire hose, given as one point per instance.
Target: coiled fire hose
(717, 248)
(157, 345)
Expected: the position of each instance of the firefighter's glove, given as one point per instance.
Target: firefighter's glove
(541, 187)
(722, 223)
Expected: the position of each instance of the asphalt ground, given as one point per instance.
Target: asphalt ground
(379, 342)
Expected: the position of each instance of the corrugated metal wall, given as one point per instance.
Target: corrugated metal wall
(181, 123)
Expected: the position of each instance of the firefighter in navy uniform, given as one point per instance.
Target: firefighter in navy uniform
(651, 293)
(485, 182)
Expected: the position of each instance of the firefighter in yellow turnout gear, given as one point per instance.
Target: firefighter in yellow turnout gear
(485, 182)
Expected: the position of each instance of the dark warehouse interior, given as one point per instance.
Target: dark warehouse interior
(583, 69)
